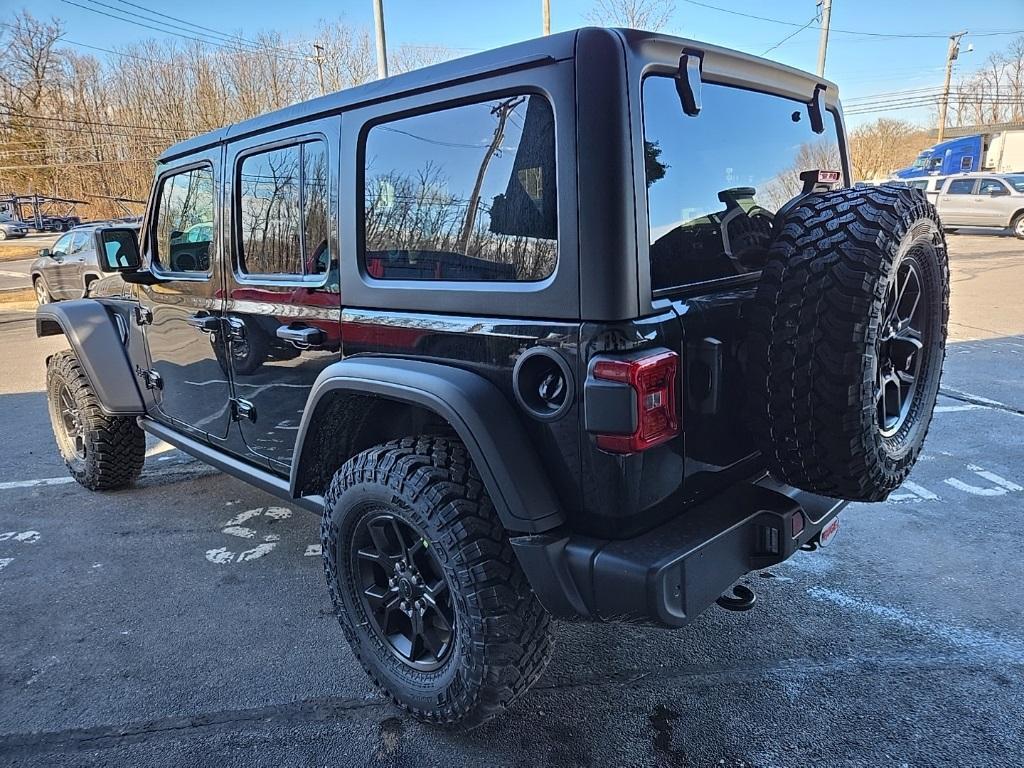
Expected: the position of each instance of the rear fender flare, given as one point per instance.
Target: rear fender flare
(477, 411)
(93, 334)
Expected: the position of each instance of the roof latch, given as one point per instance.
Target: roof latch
(816, 109)
(688, 82)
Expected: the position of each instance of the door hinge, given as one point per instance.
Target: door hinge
(151, 379)
(143, 315)
(243, 409)
(236, 329)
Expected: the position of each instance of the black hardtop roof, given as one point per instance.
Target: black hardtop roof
(556, 47)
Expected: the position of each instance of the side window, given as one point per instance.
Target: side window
(919, 184)
(184, 221)
(939, 184)
(990, 186)
(465, 193)
(961, 187)
(966, 163)
(63, 245)
(78, 242)
(282, 211)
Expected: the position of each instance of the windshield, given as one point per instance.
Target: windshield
(922, 161)
(715, 181)
(1016, 181)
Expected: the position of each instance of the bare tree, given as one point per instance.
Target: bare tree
(879, 148)
(651, 15)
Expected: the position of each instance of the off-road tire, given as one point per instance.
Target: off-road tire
(114, 446)
(502, 639)
(815, 347)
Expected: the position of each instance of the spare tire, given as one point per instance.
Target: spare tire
(848, 335)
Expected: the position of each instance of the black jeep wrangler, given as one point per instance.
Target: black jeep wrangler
(588, 327)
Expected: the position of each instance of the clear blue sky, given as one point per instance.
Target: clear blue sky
(861, 65)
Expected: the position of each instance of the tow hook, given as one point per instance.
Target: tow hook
(742, 599)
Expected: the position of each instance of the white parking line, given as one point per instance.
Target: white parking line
(33, 483)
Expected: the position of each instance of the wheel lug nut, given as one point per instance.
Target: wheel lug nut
(403, 605)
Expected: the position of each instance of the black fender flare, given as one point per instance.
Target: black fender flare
(96, 340)
(481, 416)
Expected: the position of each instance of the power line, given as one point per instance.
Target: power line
(78, 164)
(169, 29)
(154, 12)
(844, 31)
(78, 120)
(791, 35)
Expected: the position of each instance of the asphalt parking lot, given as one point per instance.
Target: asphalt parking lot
(134, 630)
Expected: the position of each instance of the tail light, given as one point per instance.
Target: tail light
(650, 383)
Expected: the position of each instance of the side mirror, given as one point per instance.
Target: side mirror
(118, 249)
(44, 253)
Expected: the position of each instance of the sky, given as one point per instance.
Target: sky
(862, 65)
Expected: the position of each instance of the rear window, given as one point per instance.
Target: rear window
(714, 181)
(465, 193)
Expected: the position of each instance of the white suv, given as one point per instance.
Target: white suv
(983, 200)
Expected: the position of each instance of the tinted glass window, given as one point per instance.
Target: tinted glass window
(466, 193)
(79, 241)
(918, 184)
(992, 185)
(282, 210)
(1016, 181)
(966, 163)
(184, 222)
(715, 181)
(63, 245)
(961, 187)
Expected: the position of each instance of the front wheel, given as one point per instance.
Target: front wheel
(42, 295)
(426, 586)
(102, 452)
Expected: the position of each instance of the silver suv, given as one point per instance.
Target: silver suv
(983, 200)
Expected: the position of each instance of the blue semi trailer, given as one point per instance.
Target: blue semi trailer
(999, 152)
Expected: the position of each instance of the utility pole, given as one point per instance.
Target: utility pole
(951, 55)
(826, 18)
(382, 48)
(318, 59)
(546, 8)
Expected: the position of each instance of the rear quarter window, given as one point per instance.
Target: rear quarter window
(464, 193)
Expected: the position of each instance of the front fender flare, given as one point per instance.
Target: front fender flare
(93, 335)
(479, 413)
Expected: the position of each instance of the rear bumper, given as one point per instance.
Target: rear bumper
(672, 573)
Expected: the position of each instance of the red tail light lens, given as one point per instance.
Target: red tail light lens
(653, 379)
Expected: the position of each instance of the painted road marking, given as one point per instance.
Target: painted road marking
(5, 561)
(1000, 485)
(26, 537)
(312, 550)
(963, 637)
(911, 491)
(33, 483)
(234, 527)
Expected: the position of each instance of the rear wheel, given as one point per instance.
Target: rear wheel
(425, 584)
(849, 331)
(1018, 225)
(102, 452)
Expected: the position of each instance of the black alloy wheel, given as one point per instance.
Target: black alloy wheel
(72, 423)
(901, 347)
(403, 590)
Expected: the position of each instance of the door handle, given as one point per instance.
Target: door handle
(205, 323)
(301, 335)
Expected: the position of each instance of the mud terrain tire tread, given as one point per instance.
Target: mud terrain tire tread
(503, 634)
(115, 445)
(814, 324)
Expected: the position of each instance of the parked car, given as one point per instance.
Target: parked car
(69, 268)
(575, 363)
(983, 200)
(12, 229)
(930, 185)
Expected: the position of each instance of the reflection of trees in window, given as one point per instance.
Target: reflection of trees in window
(283, 208)
(418, 214)
(822, 155)
(186, 203)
